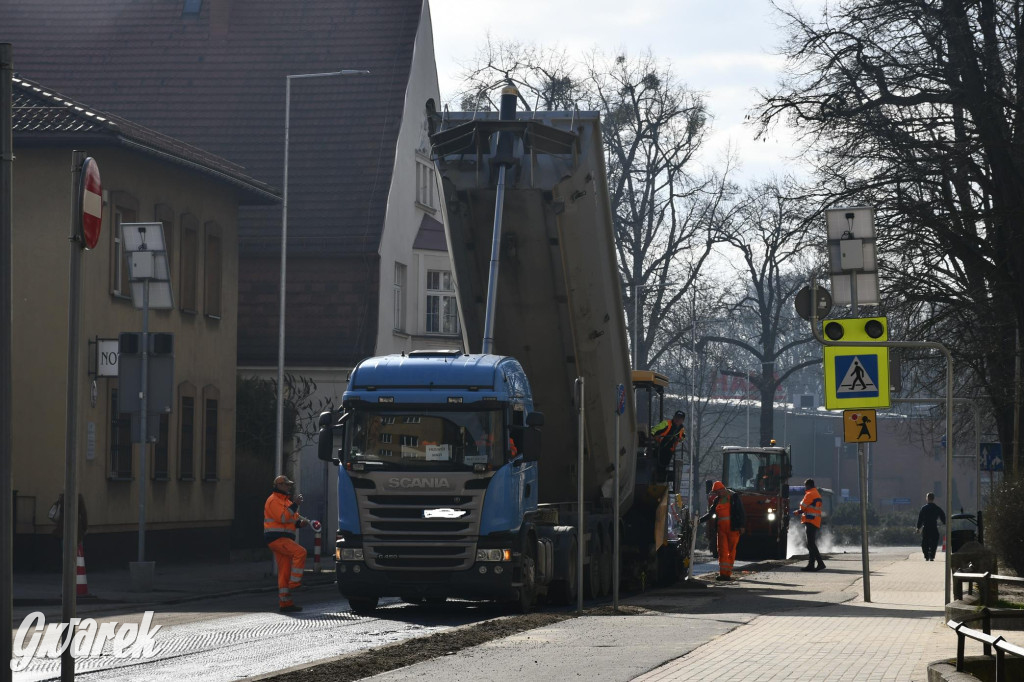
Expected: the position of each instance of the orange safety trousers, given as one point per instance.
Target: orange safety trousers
(291, 560)
(727, 541)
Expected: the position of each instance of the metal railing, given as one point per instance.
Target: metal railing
(985, 581)
(990, 641)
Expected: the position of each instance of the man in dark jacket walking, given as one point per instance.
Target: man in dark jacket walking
(928, 526)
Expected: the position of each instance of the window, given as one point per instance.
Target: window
(212, 271)
(425, 185)
(211, 399)
(188, 264)
(125, 210)
(409, 441)
(399, 297)
(120, 441)
(186, 432)
(191, 8)
(442, 309)
(160, 449)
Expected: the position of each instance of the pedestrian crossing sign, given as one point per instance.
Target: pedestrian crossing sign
(859, 426)
(856, 377)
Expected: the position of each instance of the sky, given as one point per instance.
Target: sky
(725, 49)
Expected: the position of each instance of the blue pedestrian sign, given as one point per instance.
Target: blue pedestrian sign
(859, 376)
(991, 456)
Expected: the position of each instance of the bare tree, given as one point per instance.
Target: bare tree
(915, 107)
(772, 238)
(666, 207)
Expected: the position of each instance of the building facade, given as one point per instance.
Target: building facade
(195, 197)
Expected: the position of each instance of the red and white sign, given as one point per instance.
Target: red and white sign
(91, 202)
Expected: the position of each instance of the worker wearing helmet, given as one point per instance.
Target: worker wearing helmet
(810, 507)
(726, 508)
(667, 435)
(280, 520)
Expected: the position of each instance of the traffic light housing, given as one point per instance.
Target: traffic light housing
(857, 329)
(856, 377)
(159, 398)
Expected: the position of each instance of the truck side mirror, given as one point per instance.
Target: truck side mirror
(531, 445)
(325, 436)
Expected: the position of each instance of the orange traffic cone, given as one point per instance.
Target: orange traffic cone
(82, 582)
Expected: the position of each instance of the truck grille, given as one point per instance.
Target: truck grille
(398, 536)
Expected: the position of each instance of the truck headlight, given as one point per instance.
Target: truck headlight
(494, 555)
(771, 516)
(351, 554)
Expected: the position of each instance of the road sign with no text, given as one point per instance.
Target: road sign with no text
(91, 202)
(859, 426)
(991, 456)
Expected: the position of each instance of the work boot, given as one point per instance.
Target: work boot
(820, 567)
(808, 568)
(723, 577)
(291, 608)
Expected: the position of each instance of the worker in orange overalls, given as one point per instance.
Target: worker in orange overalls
(727, 508)
(810, 507)
(280, 520)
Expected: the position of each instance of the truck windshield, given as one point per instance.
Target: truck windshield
(434, 441)
(759, 472)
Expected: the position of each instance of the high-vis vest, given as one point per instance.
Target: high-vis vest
(279, 519)
(811, 507)
(664, 429)
(722, 506)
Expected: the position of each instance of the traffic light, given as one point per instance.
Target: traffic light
(857, 329)
(856, 376)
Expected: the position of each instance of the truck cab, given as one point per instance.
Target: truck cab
(438, 473)
(761, 476)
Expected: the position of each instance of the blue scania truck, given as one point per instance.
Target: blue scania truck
(459, 472)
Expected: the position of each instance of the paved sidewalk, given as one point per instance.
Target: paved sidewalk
(776, 624)
(894, 637)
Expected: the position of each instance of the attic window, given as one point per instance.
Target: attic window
(191, 8)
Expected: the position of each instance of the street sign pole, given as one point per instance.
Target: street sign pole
(619, 409)
(931, 345)
(69, 583)
(6, 334)
(862, 465)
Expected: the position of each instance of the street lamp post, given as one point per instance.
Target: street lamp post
(278, 452)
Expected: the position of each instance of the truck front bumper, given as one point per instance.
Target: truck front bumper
(484, 580)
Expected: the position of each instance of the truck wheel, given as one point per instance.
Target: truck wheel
(528, 590)
(364, 606)
(781, 548)
(563, 592)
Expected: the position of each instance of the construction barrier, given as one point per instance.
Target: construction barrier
(316, 546)
(82, 586)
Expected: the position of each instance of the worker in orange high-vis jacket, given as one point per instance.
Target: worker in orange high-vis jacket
(726, 508)
(280, 520)
(810, 507)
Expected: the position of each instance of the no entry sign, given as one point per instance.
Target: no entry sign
(91, 201)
